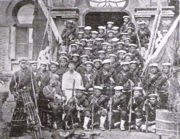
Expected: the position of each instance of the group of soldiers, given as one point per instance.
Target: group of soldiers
(97, 81)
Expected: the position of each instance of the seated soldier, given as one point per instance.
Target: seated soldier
(55, 100)
(137, 103)
(77, 110)
(119, 108)
(150, 106)
(99, 101)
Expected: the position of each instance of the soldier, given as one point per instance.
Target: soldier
(97, 45)
(106, 77)
(128, 57)
(121, 54)
(22, 82)
(63, 66)
(80, 29)
(132, 34)
(69, 79)
(102, 32)
(84, 42)
(110, 35)
(68, 33)
(163, 85)
(89, 76)
(80, 35)
(43, 78)
(144, 34)
(78, 112)
(73, 48)
(94, 35)
(99, 102)
(81, 69)
(137, 103)
(33, 65)
(109, 26)
(127, 23)
(54, 66)
(88, 51)
(109, 50)
(115, 29)
(102, 55)
(135, 72)
(122, 78)
(75, 57)
(114, 61)
(151, 80)
(150, 106)
(87, 31)
(119, 108)
(55, 100)
(119, 46)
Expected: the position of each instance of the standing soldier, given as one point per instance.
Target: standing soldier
(144, 34)
(80, 36)
(22, 83)
(43, 78)
(54, 66)
(69, 78)
(68, 33)
(99, 101)
(33, 65)
(127, 23)
(97, 65)
(119, 108)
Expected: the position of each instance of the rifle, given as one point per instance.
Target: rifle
(146, 116)
(38, 131)
(110, 113)
(130, 109)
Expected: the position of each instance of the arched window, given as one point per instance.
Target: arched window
(24, 31)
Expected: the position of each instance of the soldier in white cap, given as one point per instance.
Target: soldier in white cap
(87, 32)
(99, 101)
(119, 108)
(109, 26)
(127, 23)
(102, 32)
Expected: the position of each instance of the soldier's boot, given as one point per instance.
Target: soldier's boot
(85, 124)
(55, 125)
(138, 124)
(102, 122)
(122, 127)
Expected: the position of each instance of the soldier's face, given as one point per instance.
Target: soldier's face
(94, 35)
(78, 93)
(34, 66)
(89, 67)
(101, 31)
(73, 48)
(80, 36)
(109, 48)
(71, 66)
(137, 93)
(63, 62)
(53, 82)
(119, 47)
(97, 92)
(89, 44)
(84, 59)
(75, 58)
(121, 55)
(129, 31)
(83, 43)
(43, 67)
(109, 26)
(111, 35)
(153, 70)
(106, 66)
(126, 20)
(104, 47)
(133, 66)
(152, 101)
(53, 68)
(97, 64)
(87, 31)
(112, 59)
(166, 69)
(127, 59)
(125, 67)
(23, 65)
(102, 56)
(118, 93)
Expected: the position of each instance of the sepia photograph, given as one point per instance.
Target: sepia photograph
(89, 69)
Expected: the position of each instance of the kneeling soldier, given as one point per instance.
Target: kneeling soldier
(119, 107)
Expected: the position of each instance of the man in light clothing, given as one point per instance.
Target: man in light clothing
(70, 77)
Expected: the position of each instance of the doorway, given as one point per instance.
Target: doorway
(95, 19)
